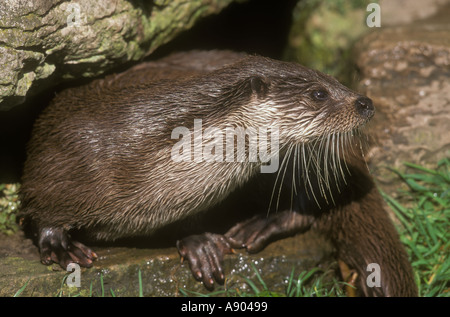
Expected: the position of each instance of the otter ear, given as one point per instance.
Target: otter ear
(259, 85)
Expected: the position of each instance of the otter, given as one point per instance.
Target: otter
(100, 161)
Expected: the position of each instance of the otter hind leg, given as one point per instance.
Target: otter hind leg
(205, 253)
(56, 246)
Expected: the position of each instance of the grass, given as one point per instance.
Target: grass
(424, 213)
(312, 283)
(66, 291)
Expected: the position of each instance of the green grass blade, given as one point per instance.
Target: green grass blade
(17, 294)
(141, 290)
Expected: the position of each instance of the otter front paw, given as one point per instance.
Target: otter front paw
(205, 254)
(253, 234)
(256, 233)
(55, 246)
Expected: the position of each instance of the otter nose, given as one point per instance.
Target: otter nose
(364, 107)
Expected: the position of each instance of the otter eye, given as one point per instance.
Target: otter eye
(320, 94)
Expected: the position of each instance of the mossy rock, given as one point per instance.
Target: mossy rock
(45, 42)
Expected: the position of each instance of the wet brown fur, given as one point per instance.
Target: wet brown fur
(99, 157)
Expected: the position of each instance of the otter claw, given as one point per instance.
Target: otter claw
(56, 247)
(256, 233)
(205, 256)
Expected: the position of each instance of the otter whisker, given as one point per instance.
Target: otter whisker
(345, 146)
(353, 139)
(322, 180)
(341, 151)
(282, 166)
(276, 179)
(312, 158)
(307, 180)
(326, 175)
(363, 146)
(335, 157)
(325, 156)
(323, 171)
(330, 168)
(315, 149)
(286, 166)
(293, 186)
(336, 161)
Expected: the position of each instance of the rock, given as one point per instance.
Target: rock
(406, 71)
(401, 12)
(324, 31)
(45, 42)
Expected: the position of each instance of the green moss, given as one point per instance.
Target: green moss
(324, 32)
(24, 83)
(9, 203)
(45, 70)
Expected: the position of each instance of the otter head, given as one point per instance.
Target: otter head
(305, 104)
(316, 116)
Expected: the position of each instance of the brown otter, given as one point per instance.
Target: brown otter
(100, 161)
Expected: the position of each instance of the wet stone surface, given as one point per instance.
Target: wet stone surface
(162, 272)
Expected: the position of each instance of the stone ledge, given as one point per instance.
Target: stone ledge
(41, 45)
